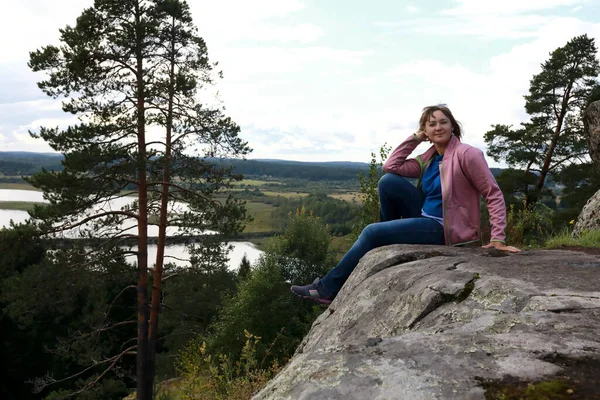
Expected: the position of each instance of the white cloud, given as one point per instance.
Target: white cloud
(574, 10)
(412, 9)
(303, 33)
(363, 81)
(280, 60)
(473, 7)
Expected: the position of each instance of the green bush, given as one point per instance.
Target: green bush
(203, 376)
(528, 224)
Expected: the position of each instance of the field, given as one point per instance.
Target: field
(262, 218)
(17, 186)
(256, 182)
(17, 205)
(351, 197)
(284, 194)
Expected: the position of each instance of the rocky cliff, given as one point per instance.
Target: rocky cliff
(589, 218)
(433, 322)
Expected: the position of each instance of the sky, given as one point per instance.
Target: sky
(329, 80)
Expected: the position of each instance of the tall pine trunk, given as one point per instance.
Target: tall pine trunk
(162, 222)
(144, 380)
(557, 131)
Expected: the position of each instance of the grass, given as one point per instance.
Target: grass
(263, 218)
(285, 194)
(17, 186)
(17, 205)
(565, 239)
(256, 182)
(340, 245)
(351, 197)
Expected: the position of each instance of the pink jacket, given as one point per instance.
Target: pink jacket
(465, 177)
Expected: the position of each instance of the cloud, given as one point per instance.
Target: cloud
(478, 7)
(363, 81)
(481, 97)
(303, 33)
(412, 9)
(282, 60)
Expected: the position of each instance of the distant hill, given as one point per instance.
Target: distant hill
(16, 164)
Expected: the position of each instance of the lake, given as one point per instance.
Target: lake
(175, 250)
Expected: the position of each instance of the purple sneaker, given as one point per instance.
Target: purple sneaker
(312, 292)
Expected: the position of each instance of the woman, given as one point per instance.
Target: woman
(444, 208)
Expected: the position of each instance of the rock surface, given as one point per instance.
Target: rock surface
(591, 120)
(433, 322)
(589, 217)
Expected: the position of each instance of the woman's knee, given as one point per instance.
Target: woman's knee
(369, 232)
(389, 182)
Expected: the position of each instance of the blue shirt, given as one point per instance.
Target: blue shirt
(431, 186)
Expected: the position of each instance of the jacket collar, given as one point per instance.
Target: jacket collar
(452, 144)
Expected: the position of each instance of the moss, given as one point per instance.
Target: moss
(548, 390)
(466, 292)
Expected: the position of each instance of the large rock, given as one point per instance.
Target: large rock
(589, 217)
(433, 322)
(591, 121)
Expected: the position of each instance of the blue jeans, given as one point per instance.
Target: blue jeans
(401, 223)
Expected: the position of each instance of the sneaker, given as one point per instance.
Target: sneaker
(312, 292)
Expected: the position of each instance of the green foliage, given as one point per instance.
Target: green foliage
(244, 268)
(515, 184)
(58, 320)
(369, 212)
(339, 215)
(303, 249)
(203, 376)
(264, 305)
(190, 304)
(554, 136)
(526, 224)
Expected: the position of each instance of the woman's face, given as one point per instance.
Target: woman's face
(439, 128)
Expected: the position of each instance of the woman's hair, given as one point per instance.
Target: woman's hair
(428, 112)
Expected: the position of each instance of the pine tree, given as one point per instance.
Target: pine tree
(131, 71)
(554, 136)
(245, 268)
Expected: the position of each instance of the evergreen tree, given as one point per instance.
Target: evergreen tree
(245, 268)
(554, 136)
(131, 70)
(369, 193)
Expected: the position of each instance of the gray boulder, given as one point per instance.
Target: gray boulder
(591, 121)
(433, 322)
(589, 218)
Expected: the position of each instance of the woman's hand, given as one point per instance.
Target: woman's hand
(421, 135)
(501, 246)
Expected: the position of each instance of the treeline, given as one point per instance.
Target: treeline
(16, 164)
(339, 215)
(23, 163)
